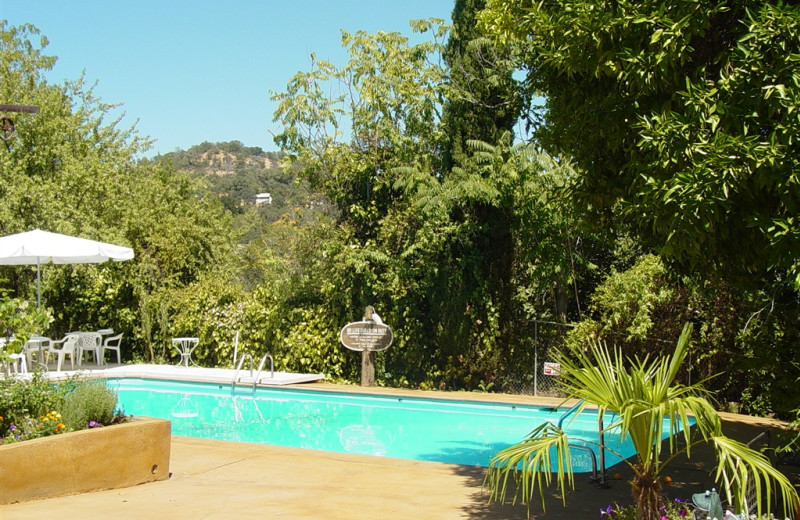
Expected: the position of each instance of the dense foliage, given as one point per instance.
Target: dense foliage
(70, 170)
(688, 109)
(681, 118)
(455, 259)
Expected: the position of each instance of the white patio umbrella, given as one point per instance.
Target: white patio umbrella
(42, 247)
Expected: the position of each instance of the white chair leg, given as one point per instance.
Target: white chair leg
(18, 363)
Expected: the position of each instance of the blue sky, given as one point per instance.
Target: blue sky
(194, 71)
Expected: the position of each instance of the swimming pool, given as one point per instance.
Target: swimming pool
(413, 428)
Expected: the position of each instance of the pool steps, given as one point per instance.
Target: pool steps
(254, 380)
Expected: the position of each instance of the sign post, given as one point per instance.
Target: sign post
(367, 336)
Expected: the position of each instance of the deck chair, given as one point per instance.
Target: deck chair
(112, 343)
(69, 345)
(18, 363)
(89, 342)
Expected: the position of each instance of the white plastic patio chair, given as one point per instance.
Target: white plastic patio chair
(112, 343)
(18, 363)
(69, 345)
(89, 342)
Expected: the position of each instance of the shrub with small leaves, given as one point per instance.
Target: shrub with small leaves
(91, 403)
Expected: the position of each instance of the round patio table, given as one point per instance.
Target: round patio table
(185, 346)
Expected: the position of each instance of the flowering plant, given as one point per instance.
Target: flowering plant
(675, 510)
(33, 407)
(30, 428)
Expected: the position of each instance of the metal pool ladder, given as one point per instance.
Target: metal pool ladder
(594, 479)
(255, 379)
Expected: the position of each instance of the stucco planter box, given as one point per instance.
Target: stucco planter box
(112, 457)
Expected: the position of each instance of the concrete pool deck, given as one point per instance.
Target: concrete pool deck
(221, 480)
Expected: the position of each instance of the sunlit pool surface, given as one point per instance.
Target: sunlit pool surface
(402, 427)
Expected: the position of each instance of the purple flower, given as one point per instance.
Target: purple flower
(94, 424)
(682, 512)
(13, 428)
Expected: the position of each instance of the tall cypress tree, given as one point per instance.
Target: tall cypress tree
(482, 105)
(483, 102)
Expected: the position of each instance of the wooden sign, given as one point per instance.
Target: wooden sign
(366, 336)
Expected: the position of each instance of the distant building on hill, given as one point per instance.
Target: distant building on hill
(263, 198)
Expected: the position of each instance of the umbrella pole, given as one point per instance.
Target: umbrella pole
(38, 286)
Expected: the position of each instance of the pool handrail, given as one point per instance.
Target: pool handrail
(255, 379)
(569, 412)
(601, 480)
(261, 367)
(246, 355)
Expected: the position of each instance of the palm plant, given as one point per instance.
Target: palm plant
(644, 397)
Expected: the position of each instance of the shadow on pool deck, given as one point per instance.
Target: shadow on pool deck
(221, 480)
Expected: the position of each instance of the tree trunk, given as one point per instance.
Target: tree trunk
(646, 491)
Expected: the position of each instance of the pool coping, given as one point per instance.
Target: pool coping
(193, 374)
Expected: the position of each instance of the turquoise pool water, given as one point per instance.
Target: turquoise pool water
(409, 428)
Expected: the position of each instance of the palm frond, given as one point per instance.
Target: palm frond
(744, 471)
(531, 464)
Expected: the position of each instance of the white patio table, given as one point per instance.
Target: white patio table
(185, 346)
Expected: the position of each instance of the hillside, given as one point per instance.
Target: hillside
(237, 173)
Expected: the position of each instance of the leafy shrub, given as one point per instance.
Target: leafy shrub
(89, 404)
(21, 399)
(28, 407)
(18, 321)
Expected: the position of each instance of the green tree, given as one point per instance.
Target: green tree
(72, 168)
(19, 320)
(681, 116)
(482, 102)
(384, 115)
(647, 403)
(449, 257)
